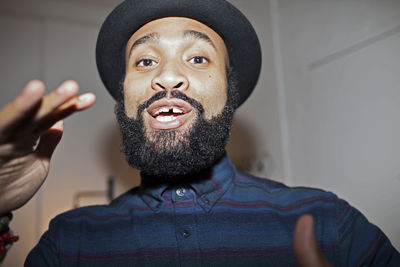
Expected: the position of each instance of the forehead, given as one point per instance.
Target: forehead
(178, 28)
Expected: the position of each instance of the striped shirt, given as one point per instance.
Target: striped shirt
(225, 218)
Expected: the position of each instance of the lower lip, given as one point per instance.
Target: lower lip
(160, 125)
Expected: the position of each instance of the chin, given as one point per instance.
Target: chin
(167, 139)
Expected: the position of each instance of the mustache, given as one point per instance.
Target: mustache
(174, 94)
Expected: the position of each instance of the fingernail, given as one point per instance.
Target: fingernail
(67, 88)
(34, 86)
(59, 125)
(86, 98)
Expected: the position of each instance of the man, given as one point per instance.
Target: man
(183, 71)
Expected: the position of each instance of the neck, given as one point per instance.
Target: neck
(194, 177)
(155, 180)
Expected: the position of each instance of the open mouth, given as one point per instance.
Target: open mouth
(169, 113)
(166, 114)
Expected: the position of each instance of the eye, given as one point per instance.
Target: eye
(198, 60)
(146, 63)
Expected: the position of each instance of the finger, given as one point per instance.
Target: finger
(85, 101)
(56, 98)
(79, 103)
(6, 150)
(49, 141)
(73, 105)
(305, 245)
(21, 109)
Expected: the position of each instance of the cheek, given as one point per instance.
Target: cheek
(135, 93)
(211, 93)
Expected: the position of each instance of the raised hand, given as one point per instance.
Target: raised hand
(30, 128)
(305, 245)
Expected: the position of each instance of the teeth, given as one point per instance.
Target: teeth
(167, 110)
(166, 118)
(177, 110)
(162, 110)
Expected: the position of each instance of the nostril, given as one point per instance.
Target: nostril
(160, 85)
(178, 85)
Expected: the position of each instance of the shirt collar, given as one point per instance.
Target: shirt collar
(209, 186)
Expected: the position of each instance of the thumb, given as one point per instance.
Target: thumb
(49, 140)
(305, 245)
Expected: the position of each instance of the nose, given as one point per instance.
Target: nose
(170, 78)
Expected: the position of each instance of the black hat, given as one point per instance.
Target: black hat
(238, 34)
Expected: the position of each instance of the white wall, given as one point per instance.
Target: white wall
(324, 114)
(341, 78)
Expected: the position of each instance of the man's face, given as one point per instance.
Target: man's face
(179, 100)
(175, 54)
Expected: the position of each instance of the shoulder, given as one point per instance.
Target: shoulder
(357, 242)
(323, 205)
(281, 194)
(118, 209)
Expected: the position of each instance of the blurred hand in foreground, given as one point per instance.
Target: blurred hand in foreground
(305, 245)
(31, 126)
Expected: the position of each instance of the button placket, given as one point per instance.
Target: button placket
(185, 211)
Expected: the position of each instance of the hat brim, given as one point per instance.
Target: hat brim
(238, 34)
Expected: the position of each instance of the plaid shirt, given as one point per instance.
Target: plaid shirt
(225, 218)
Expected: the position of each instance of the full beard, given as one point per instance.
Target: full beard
(177, 152)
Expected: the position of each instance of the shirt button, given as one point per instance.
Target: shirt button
(180, 192)
(186, 233)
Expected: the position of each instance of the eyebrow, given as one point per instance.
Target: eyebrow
(149, 38)
(199, 35)
(155, 37)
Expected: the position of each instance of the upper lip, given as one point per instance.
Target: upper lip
(170, 104)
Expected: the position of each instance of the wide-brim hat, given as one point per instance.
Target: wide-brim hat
(234, 28)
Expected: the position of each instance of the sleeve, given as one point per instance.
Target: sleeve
(45, 253)
(360, 242)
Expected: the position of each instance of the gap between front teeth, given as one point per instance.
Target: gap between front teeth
(165, 110)
(166, 118)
